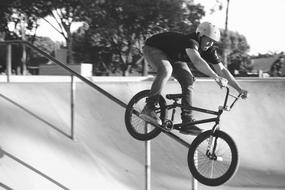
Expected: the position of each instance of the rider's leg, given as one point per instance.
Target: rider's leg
(185, 78)
(160, 62)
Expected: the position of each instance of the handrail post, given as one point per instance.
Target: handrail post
(194, 181)
(147, 162)
(72, 100)
(8, 62)
(24, 60)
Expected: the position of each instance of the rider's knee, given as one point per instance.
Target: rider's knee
(188, 82)
(165, 71)
(192, 80)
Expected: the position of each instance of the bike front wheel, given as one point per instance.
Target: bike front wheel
(136, 126)
(213, 158)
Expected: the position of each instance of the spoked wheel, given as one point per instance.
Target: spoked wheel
(136, 126)
(213, 158)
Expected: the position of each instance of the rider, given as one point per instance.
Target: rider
(169, 53)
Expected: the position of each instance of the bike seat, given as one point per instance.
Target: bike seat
(173, 96)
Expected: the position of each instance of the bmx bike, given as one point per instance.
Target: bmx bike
(212, 156)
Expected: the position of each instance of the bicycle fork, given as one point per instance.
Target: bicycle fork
(212, 145)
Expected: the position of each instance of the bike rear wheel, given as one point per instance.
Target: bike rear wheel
(213, 158)
(136, 126)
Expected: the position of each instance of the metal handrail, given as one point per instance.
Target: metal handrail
(72, 73)
(34, 169)
(51, 58)
(147, 143)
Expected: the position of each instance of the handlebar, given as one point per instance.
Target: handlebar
(236, 98)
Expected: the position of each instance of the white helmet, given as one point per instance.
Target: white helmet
(209, 30)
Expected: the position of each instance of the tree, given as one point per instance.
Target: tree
(238, 58)
(63, 12)
(17, 52)
(9, 14)
(46, 45)
(120, 27)
(4, 15)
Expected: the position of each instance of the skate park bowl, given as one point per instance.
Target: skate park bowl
(37, 150)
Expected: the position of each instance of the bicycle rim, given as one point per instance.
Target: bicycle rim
(213, 167)
(136, 126)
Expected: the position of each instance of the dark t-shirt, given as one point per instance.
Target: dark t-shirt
(174, 45)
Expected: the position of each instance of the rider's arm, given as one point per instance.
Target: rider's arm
(222, 71)
(200, 63)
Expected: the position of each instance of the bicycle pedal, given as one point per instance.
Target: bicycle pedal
(168, 125)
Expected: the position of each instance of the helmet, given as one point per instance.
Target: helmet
(209, 30)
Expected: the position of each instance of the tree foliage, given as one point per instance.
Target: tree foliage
(5, 12)
(113, 32)
(238, 47)
(63, 13)
(119, 28)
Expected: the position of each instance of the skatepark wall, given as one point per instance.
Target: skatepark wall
(38, 153)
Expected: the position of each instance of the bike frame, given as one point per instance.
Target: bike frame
(209, 120)
(207, 111)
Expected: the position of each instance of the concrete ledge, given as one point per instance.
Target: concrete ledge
(47, 78)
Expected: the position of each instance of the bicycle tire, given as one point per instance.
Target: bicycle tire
(198, 160)
(132, 119)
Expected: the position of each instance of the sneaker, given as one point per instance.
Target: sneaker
(190, 129)
(149, 115)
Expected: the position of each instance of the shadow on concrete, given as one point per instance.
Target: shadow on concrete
(3, 152)
(5, 186)
(36, 116)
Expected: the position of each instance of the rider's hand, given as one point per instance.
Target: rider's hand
(222, 82)
(243, 93)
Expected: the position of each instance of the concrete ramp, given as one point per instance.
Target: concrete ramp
(37, 153)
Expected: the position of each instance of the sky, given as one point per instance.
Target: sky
(260, 21)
